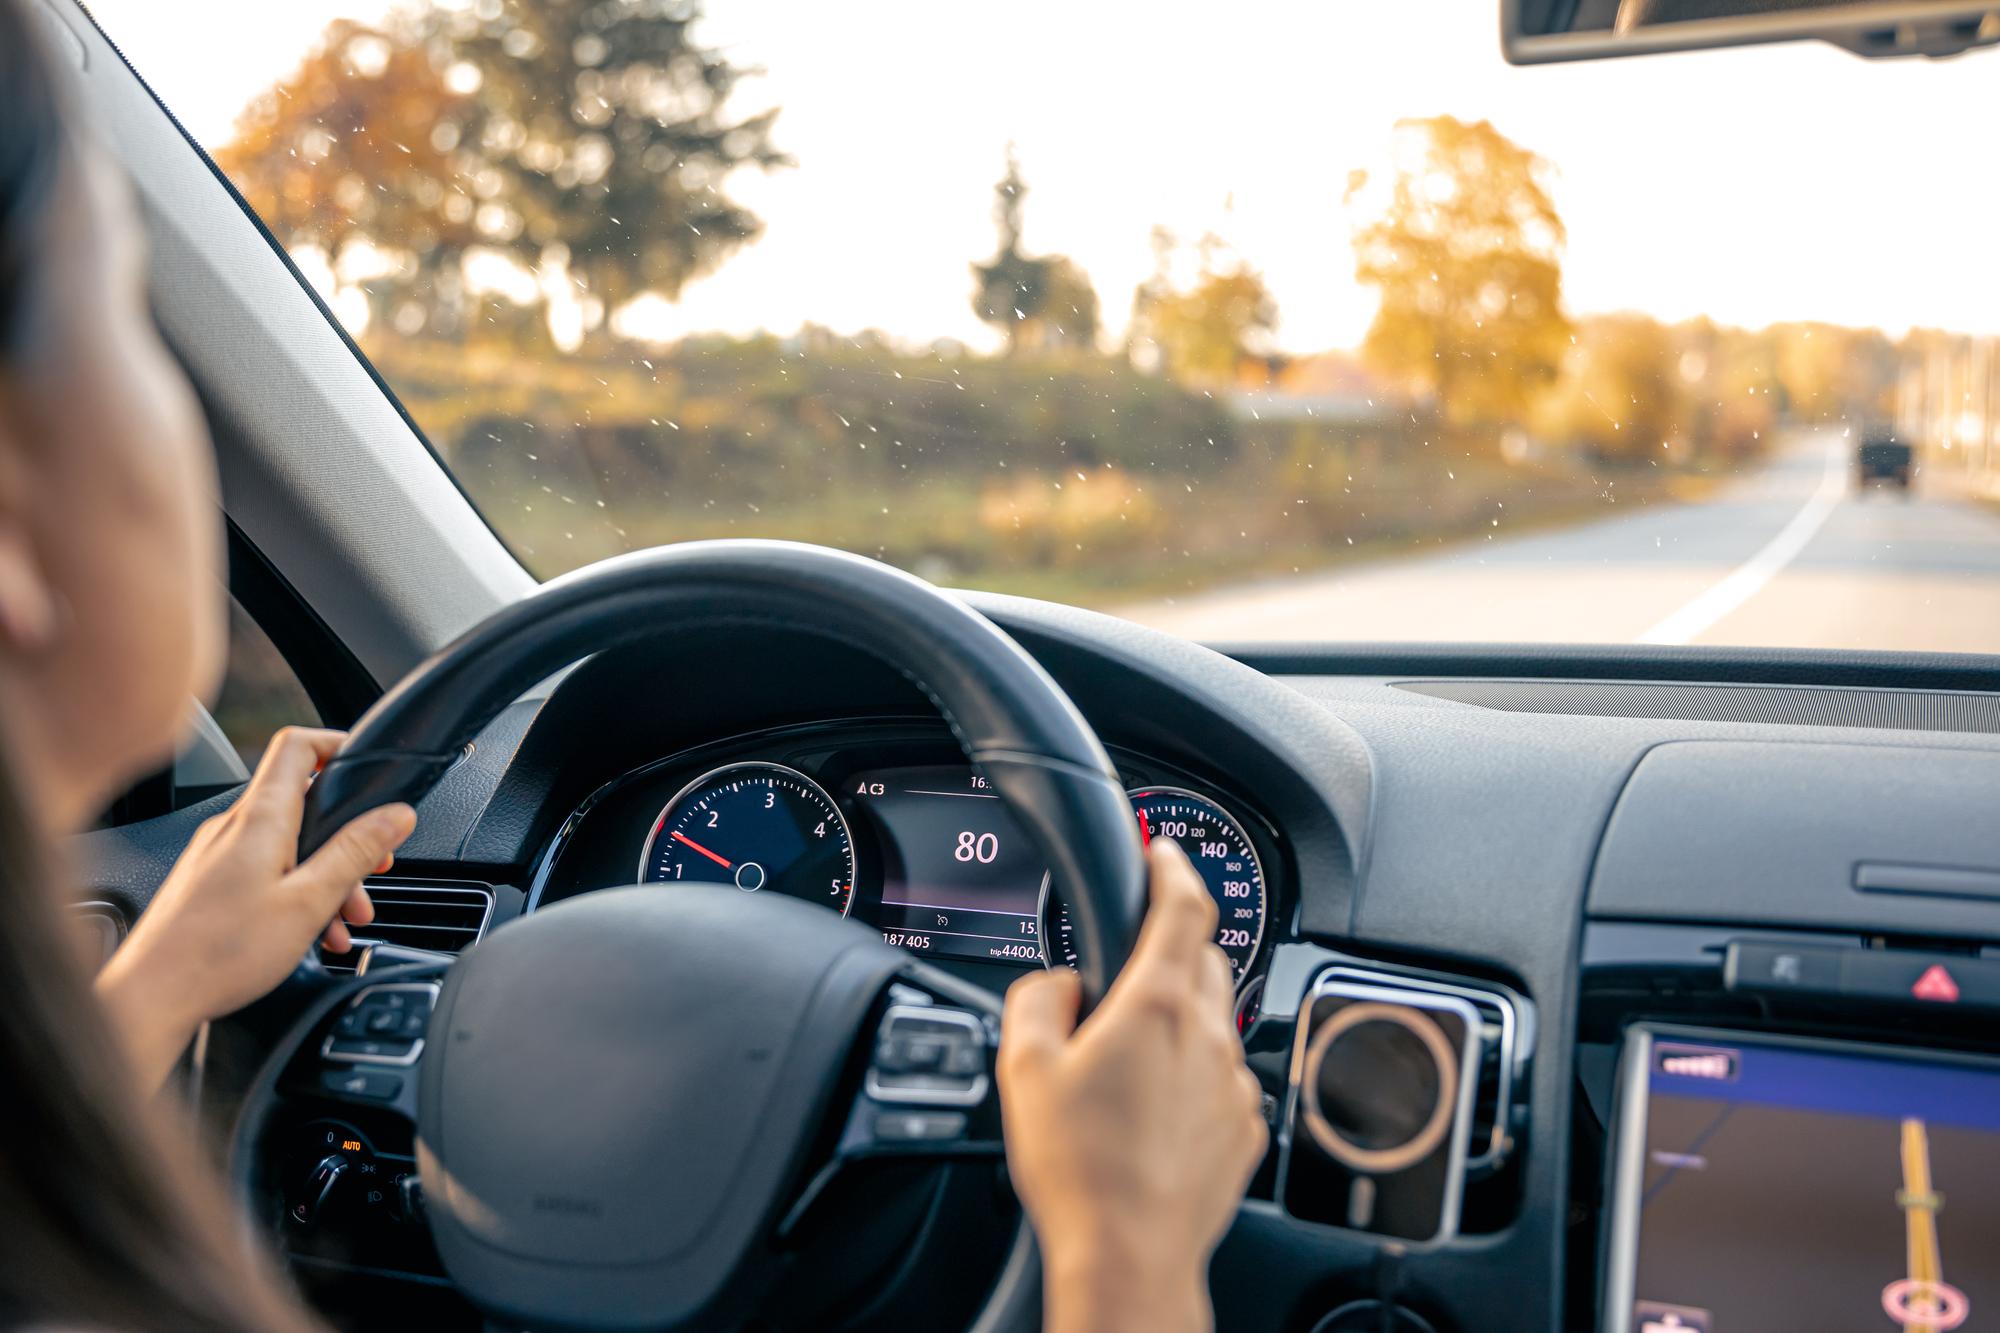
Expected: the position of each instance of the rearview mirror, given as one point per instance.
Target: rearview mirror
(1535, 32)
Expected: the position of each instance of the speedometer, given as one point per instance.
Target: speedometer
(759, 827)
(1220, 848)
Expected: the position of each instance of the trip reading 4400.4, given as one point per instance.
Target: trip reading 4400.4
(959, 877)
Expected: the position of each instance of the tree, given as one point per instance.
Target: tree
(1828, 372)
(1039, 303)
(590, 132)
(1201, 335)
(610, 123)
(1622, 393)
(1467, 259)
(356, 149)
(1068, 318)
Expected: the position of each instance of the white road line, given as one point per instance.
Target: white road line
(1744, 582)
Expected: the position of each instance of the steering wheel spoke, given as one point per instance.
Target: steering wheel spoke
(928, 1089)
(371, 1048)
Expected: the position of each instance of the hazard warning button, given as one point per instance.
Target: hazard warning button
(1918, 978)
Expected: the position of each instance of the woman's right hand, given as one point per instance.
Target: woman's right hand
(1132, 1137)
(239, 909)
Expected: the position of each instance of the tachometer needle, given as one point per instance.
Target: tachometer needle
(685, 841)
(1145, 830)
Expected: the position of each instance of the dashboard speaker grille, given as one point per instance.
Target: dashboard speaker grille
(1787, 705)
(445, 918)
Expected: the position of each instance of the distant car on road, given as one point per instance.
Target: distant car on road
(1883, 457)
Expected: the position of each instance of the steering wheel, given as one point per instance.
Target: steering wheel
(618, 1099)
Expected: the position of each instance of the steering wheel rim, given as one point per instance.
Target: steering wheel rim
(1006, 713)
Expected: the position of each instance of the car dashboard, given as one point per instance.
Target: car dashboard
(1582, 906)
(885, 822)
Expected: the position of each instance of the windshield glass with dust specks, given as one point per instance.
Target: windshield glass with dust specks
(1289, 321)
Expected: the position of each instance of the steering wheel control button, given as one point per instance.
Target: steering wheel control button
(1381, 1110)
(919, 1126)
(383, 1025)
(372, 1084)
(927, 1055)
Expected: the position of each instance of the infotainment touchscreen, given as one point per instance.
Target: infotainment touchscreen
(1765, 1185)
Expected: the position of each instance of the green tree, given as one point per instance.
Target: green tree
(1069, 317)
(610, 124)
(1039, 303)
(1467, 259)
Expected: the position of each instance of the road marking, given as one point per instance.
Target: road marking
(1748, 578)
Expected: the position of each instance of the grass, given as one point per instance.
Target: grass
(1078, 480)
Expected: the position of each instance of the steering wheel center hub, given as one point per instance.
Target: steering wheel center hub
(620, 1090)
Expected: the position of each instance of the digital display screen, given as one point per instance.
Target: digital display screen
(959, 877)
(1771, 1185)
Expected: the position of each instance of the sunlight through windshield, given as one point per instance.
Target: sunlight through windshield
(1291, 321)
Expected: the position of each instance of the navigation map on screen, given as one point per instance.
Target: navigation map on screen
(1795, 1188)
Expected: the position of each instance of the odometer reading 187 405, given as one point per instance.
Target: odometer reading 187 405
(759, 827)
(1216, 842)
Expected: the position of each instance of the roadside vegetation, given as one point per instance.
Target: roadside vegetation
(483, 190)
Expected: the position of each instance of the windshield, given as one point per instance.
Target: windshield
(1280, 321)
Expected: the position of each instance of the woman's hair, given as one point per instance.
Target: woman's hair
(108, 1217)
(31, 147)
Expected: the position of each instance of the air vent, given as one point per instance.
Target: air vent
(445, 918)
(101, 928)
(1497, 1103)
(1423, 1166)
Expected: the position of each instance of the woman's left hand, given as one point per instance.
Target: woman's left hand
(239, 910)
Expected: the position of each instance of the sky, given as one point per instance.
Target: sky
(1753, 185)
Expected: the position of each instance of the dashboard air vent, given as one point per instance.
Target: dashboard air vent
(101, 928)
(1498, 1100)
(445, 918)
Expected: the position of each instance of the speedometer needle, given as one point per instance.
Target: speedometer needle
(685, 841)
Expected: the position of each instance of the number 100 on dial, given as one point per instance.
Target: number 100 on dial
(1219, 846)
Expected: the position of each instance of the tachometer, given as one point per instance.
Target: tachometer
(1220, 848)
(759, 827)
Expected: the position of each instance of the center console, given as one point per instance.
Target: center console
(1769, 1130)
(1785, 1130)
(1763, 1182)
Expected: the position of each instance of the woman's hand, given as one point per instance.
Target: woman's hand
(1132, 1138)
(238, 910)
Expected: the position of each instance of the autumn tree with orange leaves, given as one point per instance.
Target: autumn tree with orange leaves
(1467, 257)
(591, 134)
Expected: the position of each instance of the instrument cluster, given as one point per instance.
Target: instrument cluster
(897, 830)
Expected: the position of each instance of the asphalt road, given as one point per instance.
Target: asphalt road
(1792, 556)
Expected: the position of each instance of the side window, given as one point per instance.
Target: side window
(260, 691)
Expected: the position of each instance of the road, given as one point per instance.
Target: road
(1791, 556)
